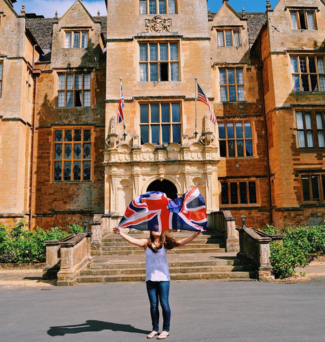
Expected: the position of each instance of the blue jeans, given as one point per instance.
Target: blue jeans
(158, 291)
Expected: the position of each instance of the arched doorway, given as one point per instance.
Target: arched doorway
(165, 186)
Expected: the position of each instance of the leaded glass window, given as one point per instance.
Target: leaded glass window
(76, 39)
(241, 192)
(232, 84)
(157, 6)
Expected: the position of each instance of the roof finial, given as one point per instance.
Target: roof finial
(98, 14)
(224, 1)
(243, 10)
(56, 15)
(243, 15)
(22, 11)
(268, 5)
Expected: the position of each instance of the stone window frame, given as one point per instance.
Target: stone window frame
(241, 184)
(232, 31)
(73, 160)
(237, 85)
(310, 128)
(1, 77)
(74, 90)
(308, 179)
(306, 72)
(167, 5)
(235, 139)
(81, 41)
(169, 61)
(160, 123)
(297, 12)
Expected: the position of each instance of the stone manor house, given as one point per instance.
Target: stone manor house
(64, 158)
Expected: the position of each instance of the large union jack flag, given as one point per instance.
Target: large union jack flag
(155, 211)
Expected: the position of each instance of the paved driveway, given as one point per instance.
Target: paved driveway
(201, 311)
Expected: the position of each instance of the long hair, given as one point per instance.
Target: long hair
(165, 240)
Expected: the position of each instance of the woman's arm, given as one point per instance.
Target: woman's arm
(137, 242)
(189, 239)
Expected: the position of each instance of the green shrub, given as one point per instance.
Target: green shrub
(75, 228)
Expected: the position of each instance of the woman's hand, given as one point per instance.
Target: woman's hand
(116, 230)
(196, 234)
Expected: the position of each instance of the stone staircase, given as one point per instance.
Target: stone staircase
(202, 259)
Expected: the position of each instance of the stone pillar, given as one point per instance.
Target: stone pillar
(265, 269)
(96, 236)
(52, 259)
(232, 240)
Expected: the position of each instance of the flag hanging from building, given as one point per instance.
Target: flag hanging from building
(156, 212)
(120, 113)
(203, 98)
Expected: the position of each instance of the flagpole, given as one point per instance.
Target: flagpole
(124, 134)
(195, 133)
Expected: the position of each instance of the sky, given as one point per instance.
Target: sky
(48, 7)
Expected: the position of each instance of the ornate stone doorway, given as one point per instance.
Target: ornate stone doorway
(164, 186)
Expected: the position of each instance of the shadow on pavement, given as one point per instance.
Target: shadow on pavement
(93, 326)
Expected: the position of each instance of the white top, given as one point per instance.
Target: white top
(157, 265)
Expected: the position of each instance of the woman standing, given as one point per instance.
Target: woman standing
(157, 274)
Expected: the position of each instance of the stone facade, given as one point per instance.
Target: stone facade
(242, 61)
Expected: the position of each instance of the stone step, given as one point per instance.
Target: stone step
(173, 270)
(225, 276)
(108, 242)
(173, 251)
(117, 238)
(108, 247)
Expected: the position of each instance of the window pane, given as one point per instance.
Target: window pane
(144, 134)
(68, 135)
(223, 79)
(164, 52)
(87, 170)
(76, 39)
(176, 112)
(69, 81)
(87, 135)
(240, 148)
(296, 84)
(236, 39)
(315, 188)
(252, 192)
(310, 139)
(321, 142)
(233, 193)
(143, 53)
(243, 192)
(314, 82)
(163, 72)
(312, 65)
(224, 193)
(240, 77)
(165, 117)
(86, 99)
(177, 134)
(249, 148)
(300, 122)
(78, 81)
(308, 120)
(174, 72)
(154, 72)
(319, 121)
(230, 130)
(58, 151)
(248, 130)
(143, 7)
(301, 139)
(294, 20)
(232, 93)
(87, 151)
(222, 132)
(68, 40)
(231, 76)
(61, 99)
(311, 23)
(241, 96)
(172, 6)
(305, 83)
(305, 188)
(239, 130)
(67, 171)
(174, 52)
(224, 95)
(152, 7)
(303, 64)
(84, 42)
(153, 52)
(320, 62)
(294, 64)
(77, 99)
(61, 81)
(231, 148)
(166, 134)
(302, 20)
(144, 116)
(69, 99)
(58, 171)
(322, 82)
(220, 39)
(77, 151)
(58, 135)
(77, 135)
(223, 149)
(143, 72)
(86, 81)
(68, 151)
(154, 113)
(228, 38)
(77, 171)
(155, 134)
(1, 71)
(162, 6)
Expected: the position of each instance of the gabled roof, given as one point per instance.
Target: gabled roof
(255, 22)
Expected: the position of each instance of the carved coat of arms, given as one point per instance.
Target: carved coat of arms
(158, 24)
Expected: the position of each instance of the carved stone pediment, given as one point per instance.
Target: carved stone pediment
(158, 24)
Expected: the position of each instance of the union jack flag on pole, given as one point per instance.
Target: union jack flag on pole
(120, 113)
(203, 98)
(156, 212)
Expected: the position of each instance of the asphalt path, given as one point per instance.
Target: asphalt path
(201, 311)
